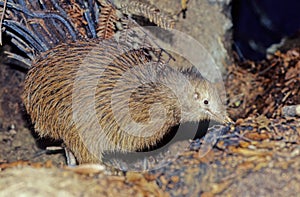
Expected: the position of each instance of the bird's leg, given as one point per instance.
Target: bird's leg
(71, 160)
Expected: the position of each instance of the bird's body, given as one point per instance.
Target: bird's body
(87, 92)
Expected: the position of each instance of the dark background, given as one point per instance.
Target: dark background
(260, 23)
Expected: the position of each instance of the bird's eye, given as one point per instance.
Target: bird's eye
(205, 102)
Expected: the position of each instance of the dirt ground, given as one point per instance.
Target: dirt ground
(258, 155)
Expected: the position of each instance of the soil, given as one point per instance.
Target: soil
(258, 155)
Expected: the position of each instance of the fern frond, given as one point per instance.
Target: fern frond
(136, 37)
(75, 15)
(150, 12)
(107, 20)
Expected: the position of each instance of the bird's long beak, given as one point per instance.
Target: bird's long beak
(222, 119)
(228, 120)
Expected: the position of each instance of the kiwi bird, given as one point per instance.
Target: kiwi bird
(96, 93)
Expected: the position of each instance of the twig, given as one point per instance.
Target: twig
(1, 20)
(291, 111)
(44, 15)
